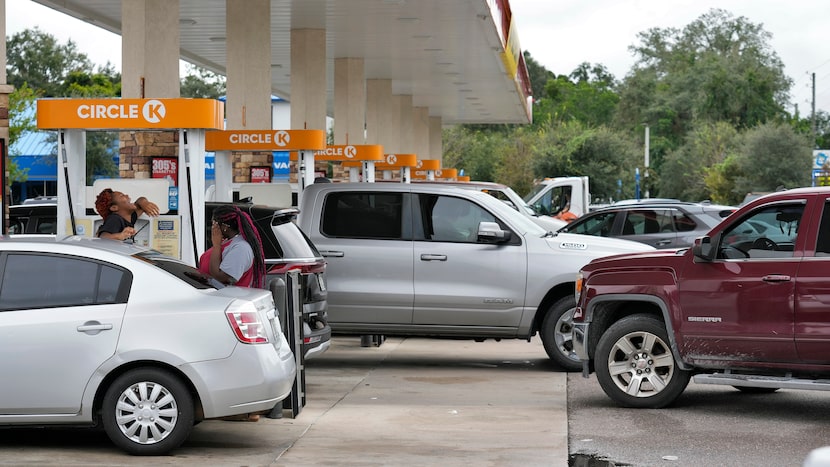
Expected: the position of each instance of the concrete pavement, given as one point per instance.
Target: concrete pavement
(409, 402)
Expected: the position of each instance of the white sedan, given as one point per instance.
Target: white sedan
(96, 332)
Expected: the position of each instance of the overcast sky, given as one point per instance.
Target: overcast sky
(561, 34)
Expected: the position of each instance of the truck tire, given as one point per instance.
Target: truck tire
(556, 334)
(635, 365)
(147, 412)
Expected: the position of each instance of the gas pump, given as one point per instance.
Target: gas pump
(353, 156)
(168, 233)
(425, 169)
(223, 142)
(403, 162)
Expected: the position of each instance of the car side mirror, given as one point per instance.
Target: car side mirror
(705, 249)
(491, 232)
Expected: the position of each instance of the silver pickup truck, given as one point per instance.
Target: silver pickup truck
(441, 261)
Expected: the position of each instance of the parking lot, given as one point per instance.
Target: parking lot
(413, 402)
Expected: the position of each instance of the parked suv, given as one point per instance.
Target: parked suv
(288, 248)
(429, 260)
(661, 224)
(33, 218)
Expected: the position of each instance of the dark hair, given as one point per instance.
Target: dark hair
(103, 203)
(240, 221)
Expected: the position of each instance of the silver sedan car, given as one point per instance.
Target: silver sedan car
(98, 332)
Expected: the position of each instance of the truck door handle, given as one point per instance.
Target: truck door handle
(776, 278)
(427, 257)
(333, 254)
(664, 242)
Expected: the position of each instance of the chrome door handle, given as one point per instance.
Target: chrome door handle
(776, 278)
(427, 257)
(93, 327)
(333, 254)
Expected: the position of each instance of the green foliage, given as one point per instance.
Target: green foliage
(202, 83)
(587, 95)
(772, 155)
(538, 75)
(36, 58)
(686, 172)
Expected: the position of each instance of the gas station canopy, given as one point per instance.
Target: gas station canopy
(459, 58)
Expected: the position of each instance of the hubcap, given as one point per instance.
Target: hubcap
(563, 335)
(146, 412)
(641, 364)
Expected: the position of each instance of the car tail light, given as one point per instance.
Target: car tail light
(247, 324)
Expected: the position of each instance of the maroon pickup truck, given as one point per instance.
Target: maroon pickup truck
(747, 306)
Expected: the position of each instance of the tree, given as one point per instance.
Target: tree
(587, 95)
(771, 156)
(37, 59)
(687, 172)
(537, 74)
(718, 68)
(607, 156)
(202, 83)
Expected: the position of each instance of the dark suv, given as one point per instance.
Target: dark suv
(33, 218)
(287, 248)
(659, 223)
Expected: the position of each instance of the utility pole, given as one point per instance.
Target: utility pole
(814, 111)
(645, 168)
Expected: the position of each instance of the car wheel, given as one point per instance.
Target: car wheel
(557, 336)
(635, 365)
(148, 412)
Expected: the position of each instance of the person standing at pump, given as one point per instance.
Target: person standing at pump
(236, 257)
(120, 214)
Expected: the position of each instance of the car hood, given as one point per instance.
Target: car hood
(596, 245)
(653, 258)
(548, 223)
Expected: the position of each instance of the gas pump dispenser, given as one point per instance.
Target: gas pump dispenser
(306, 142)
(179, 231)
(353, 156)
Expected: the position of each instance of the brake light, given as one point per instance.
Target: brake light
(247, 326)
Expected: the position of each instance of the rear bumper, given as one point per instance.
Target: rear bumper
(253, 378)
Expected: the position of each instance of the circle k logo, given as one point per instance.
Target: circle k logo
(391, 159)
(153, 111)
(438, 173)
(351, 152)
(419, 164)
(282, 138)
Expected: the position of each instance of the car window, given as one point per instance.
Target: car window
(33, 280)
(363, 215)
(598, 224)
(823, 241)
(451, 219)
(680, 222)
(645, 221)
(769, 232)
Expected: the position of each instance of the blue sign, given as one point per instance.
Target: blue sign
(280, 168)
(173, 198)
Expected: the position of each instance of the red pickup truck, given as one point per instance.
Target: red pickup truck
(747, 306)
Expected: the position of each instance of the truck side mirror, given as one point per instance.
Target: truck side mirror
(705, 249)
(491, 232)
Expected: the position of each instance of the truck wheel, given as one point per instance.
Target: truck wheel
(556, 334)
(147, 412)
(635, 366)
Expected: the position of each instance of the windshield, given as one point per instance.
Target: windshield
(519, 221)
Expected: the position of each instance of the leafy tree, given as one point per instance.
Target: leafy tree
(686, 172)
(607, 156)
(21, 120)
(202, 83)
(772, 155)
(475, 150)
(718, 68)
(538, 75)
(36, 58)
(587, 95)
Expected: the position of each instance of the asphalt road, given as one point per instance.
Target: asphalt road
(708, 426)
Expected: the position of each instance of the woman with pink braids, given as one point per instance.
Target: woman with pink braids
(236, 257)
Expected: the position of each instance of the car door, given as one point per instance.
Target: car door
(366, 240)
(460, 281)
(741, 304)
(648, 226)
(812, 312)
(60, 318)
